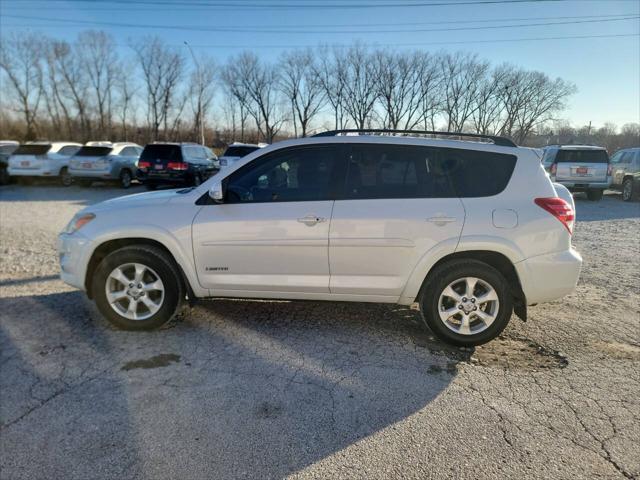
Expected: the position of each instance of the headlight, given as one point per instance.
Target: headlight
(78, 222)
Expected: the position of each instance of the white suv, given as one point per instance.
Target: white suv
(469, 231)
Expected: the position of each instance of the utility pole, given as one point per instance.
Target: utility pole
(200, 88)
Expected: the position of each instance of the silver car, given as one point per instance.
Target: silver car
(42, 159)
(580, 168)
(625, 166)
(103, 161)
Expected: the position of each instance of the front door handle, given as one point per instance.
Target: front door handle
(441, 221)
(311, 220)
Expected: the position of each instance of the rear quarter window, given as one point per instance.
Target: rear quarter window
(477, 174)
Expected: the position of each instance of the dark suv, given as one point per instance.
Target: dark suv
(175, 164)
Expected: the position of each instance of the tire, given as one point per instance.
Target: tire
(125, 179)
(165, 297)
(197, 179)
(5, 179)
(151, 185)
(595, 195)
(452, 275)
(628, 192)
(65, 177)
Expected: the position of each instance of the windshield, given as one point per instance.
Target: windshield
(582, 156)
(93, 151)
(161, 152)
(239, 151)
(39, 149)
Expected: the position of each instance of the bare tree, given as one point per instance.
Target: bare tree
(331, 74)
(361, 75)
(201, 92)
(490, 107)
(258, 84)
(21, 61)
(462, 75)
(97, 52)
(162, 69)
(236, 89)
(400, 88)
(299, 83)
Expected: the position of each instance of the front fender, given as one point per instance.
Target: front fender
(179, 246)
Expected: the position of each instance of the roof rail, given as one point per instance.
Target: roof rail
(500, 141)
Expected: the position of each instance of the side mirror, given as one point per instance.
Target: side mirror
(216, 192)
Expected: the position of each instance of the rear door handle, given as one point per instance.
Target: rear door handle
(311, 220)
(441, 221)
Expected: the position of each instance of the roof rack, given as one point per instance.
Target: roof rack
(500, 141)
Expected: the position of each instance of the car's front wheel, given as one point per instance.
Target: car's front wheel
(137, 288)
(466, 302)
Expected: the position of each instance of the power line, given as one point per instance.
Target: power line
(323, 6)
(377, 31)
(268, 28)
(425, 44)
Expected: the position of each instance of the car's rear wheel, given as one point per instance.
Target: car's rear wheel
(137, 288)
(197, 179)
(595, 195)
(125, 178)
(65, 177)
(627, 190)
(466, 302)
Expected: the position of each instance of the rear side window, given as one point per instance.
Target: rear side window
(582, 156)
(161, 152)
(398, 171)
(32, 149)
(129, 152)
(69, 150)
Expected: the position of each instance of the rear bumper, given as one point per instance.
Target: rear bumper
(31, 172)
(74, 252)
(545, 278)
(172, 178)
(586, 185)
(94, 175)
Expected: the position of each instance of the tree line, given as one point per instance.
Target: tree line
(84, 90)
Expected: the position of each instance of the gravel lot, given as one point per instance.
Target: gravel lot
(242, 389)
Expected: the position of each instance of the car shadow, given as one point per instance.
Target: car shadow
(232, 389)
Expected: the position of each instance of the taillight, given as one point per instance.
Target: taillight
(177, 166)
(560, 209)
(609, 170)
(144, 165)
(553, 169)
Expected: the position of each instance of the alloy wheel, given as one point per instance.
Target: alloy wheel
(134, 291)
(468, 305)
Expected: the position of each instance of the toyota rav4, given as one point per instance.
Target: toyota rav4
(467, 231)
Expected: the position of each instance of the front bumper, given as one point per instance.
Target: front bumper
(74, 252)
(549, 277)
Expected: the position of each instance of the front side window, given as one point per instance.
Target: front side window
(290, 175)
